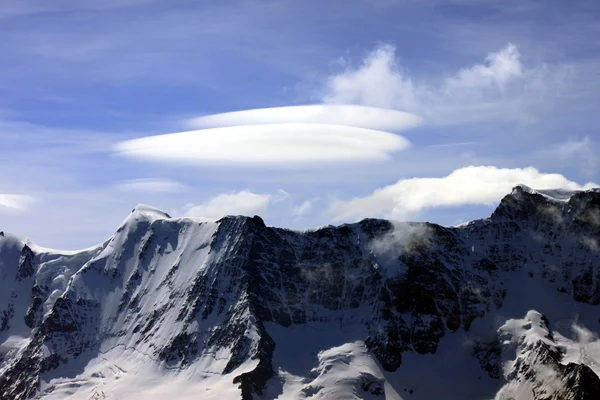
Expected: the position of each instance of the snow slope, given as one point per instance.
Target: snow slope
(235, 309)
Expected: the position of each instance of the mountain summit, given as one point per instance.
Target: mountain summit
(502, 307)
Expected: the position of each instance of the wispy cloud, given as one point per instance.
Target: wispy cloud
(154, 185)
(270, 145)
(580, 151)
(239, 203)
(14, 8)
(304, 208)
(15, 202)
(483, 185)
(102, 43)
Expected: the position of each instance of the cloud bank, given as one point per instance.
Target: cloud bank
(474, 185)
(280, 144)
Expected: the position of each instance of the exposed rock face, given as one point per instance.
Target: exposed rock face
(578, 382)
(26, 268)
(174, 288)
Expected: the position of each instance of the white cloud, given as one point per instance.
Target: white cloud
(465, 186)
(378, 82)
(573, 148)
(582, 151)
(502, 88)
(498, 70)
(15, 202)
(332, 114)
(303, 208)
(280, 144)
(151, 185)
(574, 153)
(238, 203)
(281, 196)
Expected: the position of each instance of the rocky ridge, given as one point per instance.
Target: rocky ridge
(185, 293)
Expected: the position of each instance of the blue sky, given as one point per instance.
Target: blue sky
(419, 110)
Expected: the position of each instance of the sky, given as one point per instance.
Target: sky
(307, 113)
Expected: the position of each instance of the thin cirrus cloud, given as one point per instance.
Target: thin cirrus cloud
(238, 203)
(15, 202)
(331, 114)
(304, 208)
(267, 145)
(483, 185)
(152, 185)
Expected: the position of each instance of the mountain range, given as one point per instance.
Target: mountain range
(499, 308)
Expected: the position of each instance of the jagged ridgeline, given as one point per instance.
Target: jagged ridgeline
(377, 309)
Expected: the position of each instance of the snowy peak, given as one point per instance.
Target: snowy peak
(559, 195)
(196, 307)
(149, 212)
(550, 207)
(540, 370)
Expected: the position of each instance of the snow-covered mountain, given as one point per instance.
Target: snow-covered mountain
(501, 308)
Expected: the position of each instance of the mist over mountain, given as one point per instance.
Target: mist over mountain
(500, 308)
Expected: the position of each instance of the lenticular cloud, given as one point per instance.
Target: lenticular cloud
(333, 114)
(308, 135)
(273, 144)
